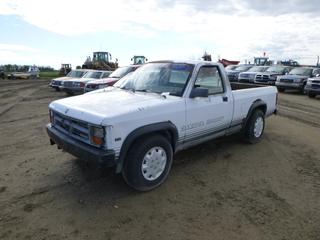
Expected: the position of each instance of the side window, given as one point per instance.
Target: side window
(105, 75)
(209, 77)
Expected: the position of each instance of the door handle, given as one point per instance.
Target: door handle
(225, 99)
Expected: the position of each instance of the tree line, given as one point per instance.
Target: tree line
(23, 68)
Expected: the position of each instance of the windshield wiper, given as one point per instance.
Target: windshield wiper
(147, 91)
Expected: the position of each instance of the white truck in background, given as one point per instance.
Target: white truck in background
(162, 108)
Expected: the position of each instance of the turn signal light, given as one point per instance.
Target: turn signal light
(51, 116)
(97, 140)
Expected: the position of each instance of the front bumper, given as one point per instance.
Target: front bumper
(73, 90)
(312, 90)
(79, 149)
(246, 80)
(290, 85)
(265, 81)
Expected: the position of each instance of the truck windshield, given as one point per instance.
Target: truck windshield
(301, 71)
(242, 68)
(95, 75)
(76, 74)
(231, 67)
(257, 69)
(121, 72)
(159, 78)
(276, 69)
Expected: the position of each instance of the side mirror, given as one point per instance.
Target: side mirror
(199, 92)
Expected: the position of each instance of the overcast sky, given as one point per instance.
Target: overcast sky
(50, 32)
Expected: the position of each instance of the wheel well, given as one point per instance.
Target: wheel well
(165, 133)
(169, 134)
(263, 108)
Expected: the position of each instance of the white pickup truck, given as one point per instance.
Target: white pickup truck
(164, 107)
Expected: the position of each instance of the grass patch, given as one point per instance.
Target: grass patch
(51, 74)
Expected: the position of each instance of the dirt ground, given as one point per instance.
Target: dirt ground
(223, 189)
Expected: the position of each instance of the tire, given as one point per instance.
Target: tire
(311, 95)
(281, 89)
(254, 130)
(136, 169)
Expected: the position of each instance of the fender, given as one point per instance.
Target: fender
(156, 127)
(256, 104)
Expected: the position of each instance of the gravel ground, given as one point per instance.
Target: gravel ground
(223, 189)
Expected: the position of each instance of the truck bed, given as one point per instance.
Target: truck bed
(239, 86)
(245, 94)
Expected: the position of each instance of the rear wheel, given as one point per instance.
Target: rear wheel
(148, 163)
(255, 127)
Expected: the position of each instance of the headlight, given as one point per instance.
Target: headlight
(51, 116)
(78, 84)
(309, 82)
(97, 135)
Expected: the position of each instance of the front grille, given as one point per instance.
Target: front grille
(315, 86)
(232, 77)
(316, 81)
(68, 84)
(262, 78)
(286, 80)
(76, 129)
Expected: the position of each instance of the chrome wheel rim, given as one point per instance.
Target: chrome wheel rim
(258, 127)
(154, 163)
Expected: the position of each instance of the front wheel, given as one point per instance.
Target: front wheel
(148, 163)
(311, 95)
(255, 127)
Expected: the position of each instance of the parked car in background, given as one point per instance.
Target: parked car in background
(2, 74)
(270, 75)
(112, 79)
(32, 72)
(73, 74)
(231, 67)
(76, 86)
(234, 74)
(249, 76)
(164, 107)
(296, 79)
(312, 88)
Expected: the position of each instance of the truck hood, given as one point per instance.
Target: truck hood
(248, 74)
(233, 72)
(61, 78)
(104, 81)
(272, 73)
(102, 107)
(85, 80)
(294, 77)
